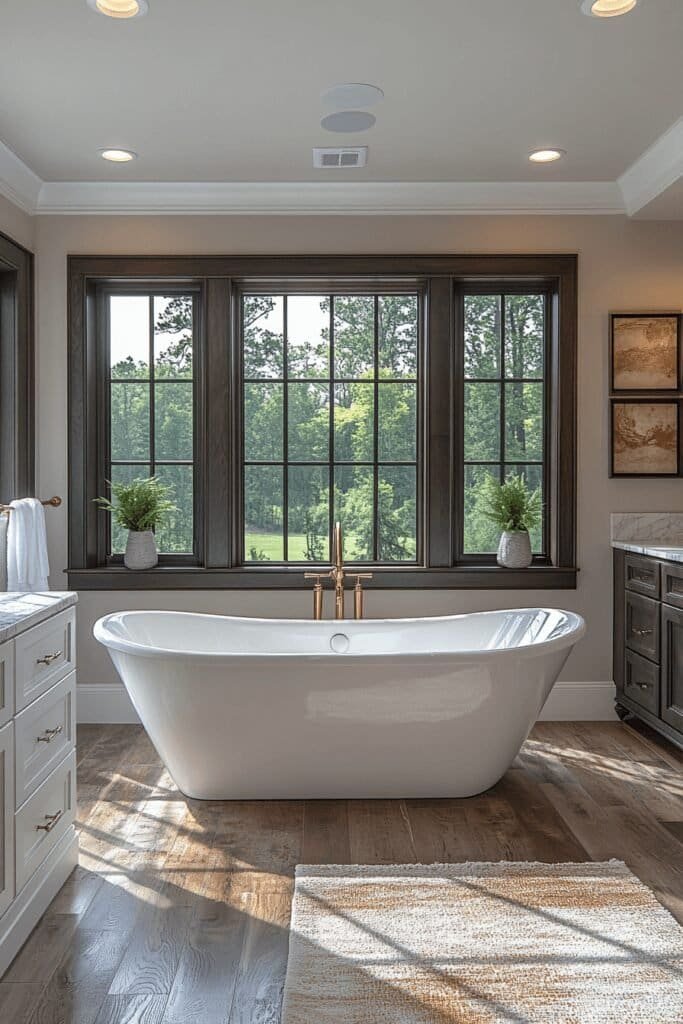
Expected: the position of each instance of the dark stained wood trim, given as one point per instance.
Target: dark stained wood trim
(221, 444)
(292, 578)
(217, 424)
(278, 267)
(441, 388)
(17, 397)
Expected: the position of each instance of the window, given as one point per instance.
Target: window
(505, 421)
(150, 403)
(277, 395)
(330, 415)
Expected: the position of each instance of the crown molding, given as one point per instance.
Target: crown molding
(329, 198)
(18, 182)
(649, 176)
(656, 170)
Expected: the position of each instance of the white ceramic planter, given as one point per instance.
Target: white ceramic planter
(514, 550)
(141, 550)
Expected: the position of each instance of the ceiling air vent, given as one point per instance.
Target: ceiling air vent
(340, 157)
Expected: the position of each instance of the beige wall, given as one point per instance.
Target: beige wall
(624, 265)
(18, 225)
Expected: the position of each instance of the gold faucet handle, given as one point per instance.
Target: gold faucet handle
(357, 576)
(316, 576)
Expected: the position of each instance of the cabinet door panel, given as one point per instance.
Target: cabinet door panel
(6, 817)
(642, 625)
(672, 666)
(641, 682)
(642, 575)
(672, 585)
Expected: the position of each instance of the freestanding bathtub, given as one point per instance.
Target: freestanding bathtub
(273, 708)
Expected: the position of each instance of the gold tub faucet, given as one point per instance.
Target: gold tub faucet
(338, 574)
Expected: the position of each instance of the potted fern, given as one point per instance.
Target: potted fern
(139, 507)
(515, 510)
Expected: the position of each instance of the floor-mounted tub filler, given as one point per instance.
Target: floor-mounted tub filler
(288, 708)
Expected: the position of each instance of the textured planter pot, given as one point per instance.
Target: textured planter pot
(514, 550)
(141, 550)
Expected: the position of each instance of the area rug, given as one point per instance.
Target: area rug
(522, 942)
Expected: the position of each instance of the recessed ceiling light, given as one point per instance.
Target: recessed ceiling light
(546, 156)
(118, 156)
(120, 8)
(348, 121)
(607, 8)
(352, 96)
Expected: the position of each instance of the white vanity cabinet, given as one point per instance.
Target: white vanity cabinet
(38, 844)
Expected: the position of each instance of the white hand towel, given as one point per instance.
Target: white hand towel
(27, 564)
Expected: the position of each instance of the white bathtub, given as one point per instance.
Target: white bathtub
(274, 708)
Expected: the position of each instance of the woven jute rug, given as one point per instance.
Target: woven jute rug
(410, 944)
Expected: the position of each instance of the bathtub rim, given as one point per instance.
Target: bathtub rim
(103, 635)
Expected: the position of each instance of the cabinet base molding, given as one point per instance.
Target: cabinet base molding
(21, 918)
(635, 711)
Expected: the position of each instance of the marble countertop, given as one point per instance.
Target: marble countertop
(656, 534)
(670, 553)
(22, 611)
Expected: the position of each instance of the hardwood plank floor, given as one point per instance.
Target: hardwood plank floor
(178, 913)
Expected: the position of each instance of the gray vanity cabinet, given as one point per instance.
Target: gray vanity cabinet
(672, 667)
(648, 641)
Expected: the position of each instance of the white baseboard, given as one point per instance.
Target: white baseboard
(105, 704)
(109, 703)
(580, 702)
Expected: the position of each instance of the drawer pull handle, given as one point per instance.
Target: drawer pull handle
(639, 578)
(643, 632)
(47, 659)
(51, 820)
(50, 734)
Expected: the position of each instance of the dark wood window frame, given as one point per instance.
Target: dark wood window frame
(219, 281)
(17, 438)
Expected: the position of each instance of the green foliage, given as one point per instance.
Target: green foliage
(510, 506)
(504, 366)
(492, 370)
(139, 505)
(173, 426)
(353, 416)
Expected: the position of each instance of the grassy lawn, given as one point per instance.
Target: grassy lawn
(270, 544)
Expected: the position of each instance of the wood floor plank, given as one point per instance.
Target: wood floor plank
(546, 835)
(133, 1010)
(380, 832)
(17, 1001)
(77, 893)
(326, 832)
(439, 831)
(263, 964)
(43, 950)
(80, 983)
(153, 951)
(204, 983)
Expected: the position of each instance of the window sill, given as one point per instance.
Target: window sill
(168, 577)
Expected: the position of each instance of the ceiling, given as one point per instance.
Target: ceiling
(214, 91)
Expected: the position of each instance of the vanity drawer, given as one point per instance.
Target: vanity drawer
(44, 735)
(641, 682)
(672, 584)
(642, 575)
(43, 656)
(44, 819)
(642, 625)
(6, 682)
